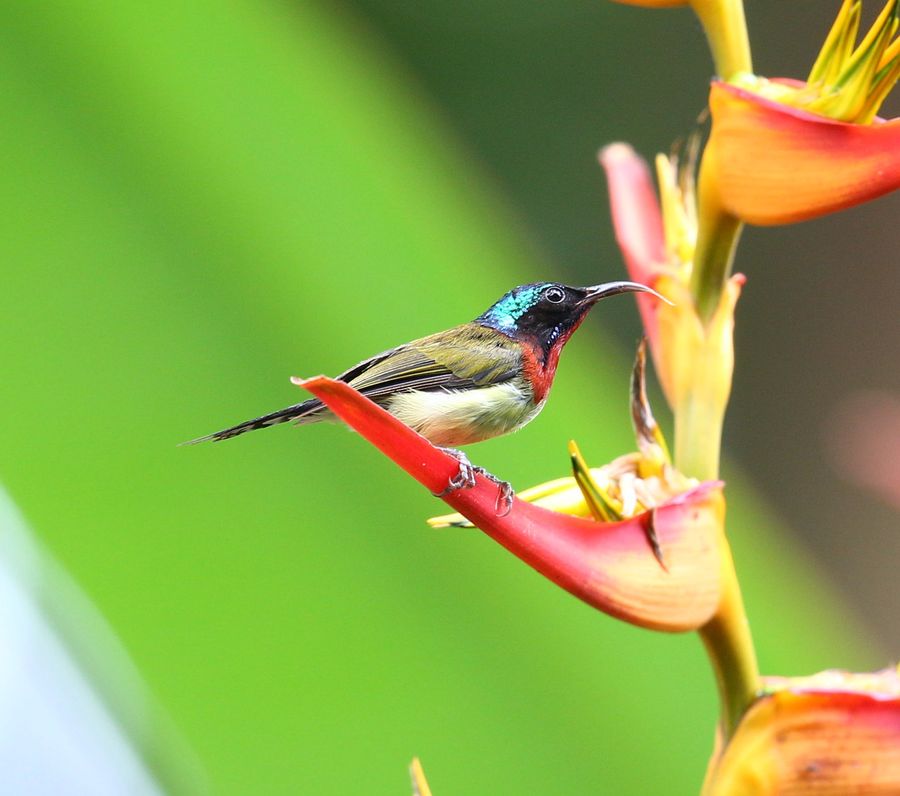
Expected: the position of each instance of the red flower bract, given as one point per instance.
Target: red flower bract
(610, 566)
(637, 222)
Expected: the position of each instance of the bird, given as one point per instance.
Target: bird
(479, 380)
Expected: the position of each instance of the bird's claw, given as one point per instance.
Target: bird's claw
(465, 479)
(505, 495)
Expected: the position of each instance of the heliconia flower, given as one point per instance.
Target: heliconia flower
(657, 244)
(610, 565)
(776, 164)
(638, 225)
(830, 734)
(782, 151)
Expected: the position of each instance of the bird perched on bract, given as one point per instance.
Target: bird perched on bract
(472, 382)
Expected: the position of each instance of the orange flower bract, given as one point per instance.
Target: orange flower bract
(771, 163)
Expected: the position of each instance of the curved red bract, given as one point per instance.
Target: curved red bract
(610, 566)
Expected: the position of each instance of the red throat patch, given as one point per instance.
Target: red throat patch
(540, 370)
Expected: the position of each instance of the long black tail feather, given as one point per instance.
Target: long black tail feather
(295, 412)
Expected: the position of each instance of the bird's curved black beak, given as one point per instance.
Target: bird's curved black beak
(594, 293)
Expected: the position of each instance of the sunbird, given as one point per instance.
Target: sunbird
(476, 381)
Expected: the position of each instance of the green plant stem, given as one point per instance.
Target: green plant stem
(729, 646)
(717, 240)
(698, 429)
(698, 434)
(699, 416)
(726, 30)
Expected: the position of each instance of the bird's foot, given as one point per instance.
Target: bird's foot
(505, 493)
(465, 479)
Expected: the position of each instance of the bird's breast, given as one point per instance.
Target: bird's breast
(460, 417)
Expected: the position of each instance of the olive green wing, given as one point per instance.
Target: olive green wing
(466, 357)
(463, 358)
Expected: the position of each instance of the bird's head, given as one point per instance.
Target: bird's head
(547, 313)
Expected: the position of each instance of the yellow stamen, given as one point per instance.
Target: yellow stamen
(848, 82)
(885, 79)
(850, 92)
(838, 44)
(891, 53)
(678, 210)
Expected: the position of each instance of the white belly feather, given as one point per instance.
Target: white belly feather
(460, 417)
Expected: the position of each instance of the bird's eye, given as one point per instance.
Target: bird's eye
(554, 294)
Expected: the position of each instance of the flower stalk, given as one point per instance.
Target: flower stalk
(726, 30)
(699, 415)
(729, 645)
(695, 360)
(718, 234)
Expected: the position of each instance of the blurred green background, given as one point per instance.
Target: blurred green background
(200, 200)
